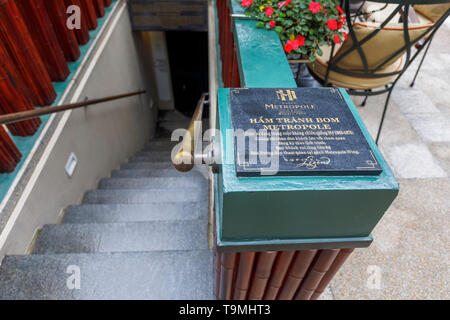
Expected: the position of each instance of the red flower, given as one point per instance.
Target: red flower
(272, 24)
(339, 9)
(342, 19)
(291, 45)
(332, 24)
(287, 2)
(294, 44)
(300, 40)
(314, 7)
(345, 35)
(269, 11)
(340, 24)
(246, 3)
(336, 39)
(288, 47)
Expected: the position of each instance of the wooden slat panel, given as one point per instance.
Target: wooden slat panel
(44, 37)
(11, 101)
(297, 272)
(9, 154)
(66, 38)
(88, 9)
(82, 33)
(99, 8)
(21, 49)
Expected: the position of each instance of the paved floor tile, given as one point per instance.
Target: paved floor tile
(431, 126)
(441, 152)
(413, 100)
(396, 128)
(413, 161)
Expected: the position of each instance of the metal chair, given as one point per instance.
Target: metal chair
(365, 71)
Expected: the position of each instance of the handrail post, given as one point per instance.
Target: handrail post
(185, 158)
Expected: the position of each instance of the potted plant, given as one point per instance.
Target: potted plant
(303, 25)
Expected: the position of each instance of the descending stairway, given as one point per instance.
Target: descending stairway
(141, 235)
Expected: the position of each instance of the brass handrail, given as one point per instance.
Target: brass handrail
(184, 159)
(25, 115)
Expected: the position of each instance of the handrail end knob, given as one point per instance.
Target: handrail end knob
(183, 161)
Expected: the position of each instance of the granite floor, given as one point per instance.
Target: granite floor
(409, 258)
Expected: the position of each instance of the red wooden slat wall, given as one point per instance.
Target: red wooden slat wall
(99, 7)
(67, 39)
(35, 46)
(88, 10)
(228, 57)
(12, 96)
(280, 275)
(9, 154)
(44, 37)
(11, 101)
(82, 34)
(7, 63)
(21, 49)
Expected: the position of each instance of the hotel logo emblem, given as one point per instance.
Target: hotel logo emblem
(288, 95)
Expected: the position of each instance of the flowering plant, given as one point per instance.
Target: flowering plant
(303, 25)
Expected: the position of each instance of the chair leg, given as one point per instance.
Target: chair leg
(421, 62)
(383, 116)
(363, 104)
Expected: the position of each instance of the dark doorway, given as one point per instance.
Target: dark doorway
(188, 58)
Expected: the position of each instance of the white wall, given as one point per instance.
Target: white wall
(102, 136)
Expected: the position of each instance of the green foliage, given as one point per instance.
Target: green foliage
(297, 18)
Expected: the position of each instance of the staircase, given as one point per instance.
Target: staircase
(141, 235)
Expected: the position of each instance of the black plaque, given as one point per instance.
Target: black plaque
(315, 129)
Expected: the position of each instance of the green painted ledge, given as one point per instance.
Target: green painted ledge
(26, 144)
(262, 61)
(287, 213)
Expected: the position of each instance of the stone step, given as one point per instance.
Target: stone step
(160, 145)
(153, 173)
(181, 275)
(153, 183)
(143, 164)
(133, 196)
(171, 126)
(149, 160)
(172, 115)
(123, 237)
(110, 213)
(147, 165)
(156, 156)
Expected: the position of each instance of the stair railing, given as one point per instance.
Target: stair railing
(30, 114)
(184, 160)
